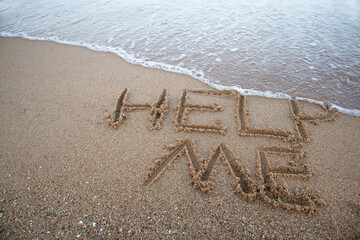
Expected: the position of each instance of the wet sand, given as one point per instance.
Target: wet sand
(81, 157)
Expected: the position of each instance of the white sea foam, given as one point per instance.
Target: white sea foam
(195, 74)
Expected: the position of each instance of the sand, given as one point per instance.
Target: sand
(93, 147)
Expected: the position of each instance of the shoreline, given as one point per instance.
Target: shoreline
(179, 159)
(175, 69)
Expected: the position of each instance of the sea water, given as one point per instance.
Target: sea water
(274, 48)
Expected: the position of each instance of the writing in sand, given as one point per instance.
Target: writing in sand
(202, 170)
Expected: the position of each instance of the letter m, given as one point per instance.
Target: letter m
(203, 171)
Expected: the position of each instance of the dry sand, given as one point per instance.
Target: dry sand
(65, 173)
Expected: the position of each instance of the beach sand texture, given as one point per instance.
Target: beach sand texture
(95, 147)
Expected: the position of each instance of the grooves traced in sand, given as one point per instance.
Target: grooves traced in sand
(244, 129)
(280, 196)
(184, 108)
(158, 110)
(301, 133)
(299, 118)
(160, 107)
(203, 171)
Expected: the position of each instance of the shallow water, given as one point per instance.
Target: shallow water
(307, 48)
